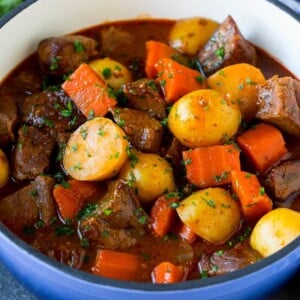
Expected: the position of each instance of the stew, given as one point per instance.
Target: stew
(148, 150)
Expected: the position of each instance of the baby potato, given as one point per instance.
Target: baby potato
(96, 150)
(190, 35)
(275, 230)
(111, 71)
(203, 118)
(4, 169)
(211, 213)
(238, 83)
(149, 175)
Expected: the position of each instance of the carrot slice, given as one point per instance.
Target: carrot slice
(187, 233)
(163, 215)
(211, 166)
(177, 80)
(117, 265)
(253, 199)
(154, 51)
(71, 196)
(263, 145)
(89, 92)
(167, 272)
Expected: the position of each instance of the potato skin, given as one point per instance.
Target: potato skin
(203, 118)
(96, 150)
(190, 35)
(4, 169)
(238, 83)
(211, 213)
(275, 230)
(111, 71)
(149, 175)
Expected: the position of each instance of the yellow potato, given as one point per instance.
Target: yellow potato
(275, 230)
(4, 169)
(190, 35)
(149, 175)
(96, 150)
(111, 71)
(203, 118)
(211, 213)
(238, 83)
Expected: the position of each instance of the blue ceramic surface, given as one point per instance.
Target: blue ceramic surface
(50, 280)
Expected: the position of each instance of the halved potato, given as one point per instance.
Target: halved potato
(275, 230)
(96, 150)
(211, 213)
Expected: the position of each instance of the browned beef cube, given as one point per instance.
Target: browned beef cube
(29, 204)
(227, 261)
(278, 103)
(52, 110)
(144, 132)
(226, 47)
(32, 153)
(118, 220)
(145, 95)
(284, 180)
(62, 55)
(8, 119)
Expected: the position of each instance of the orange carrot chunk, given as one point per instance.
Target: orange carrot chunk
(263, 145)
(252, 196)
(187, 233)
(71, 196)
(167, 272)
(163, 215)
(155, 51)
(117, 265)
(211, 166)
(89, 92)
(177, 80)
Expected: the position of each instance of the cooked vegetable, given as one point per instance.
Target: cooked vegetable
(275, 230)
(96, 150)
(211, 213)
(4, 169)
(203, 118)
(149, 175)
(89, 92)
(167, 272)
(71, 196)
(263, 145)
(154, 52)
(252, 196)
(163, 214)
(238, 83)
(112, 72)
(211, 166)
(176, 79)
(187, 233)
(117, 265)
(190, 35)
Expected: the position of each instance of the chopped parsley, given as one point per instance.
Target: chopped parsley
(220, 52)
(78, 46)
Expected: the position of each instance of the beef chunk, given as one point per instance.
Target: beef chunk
(54, 110)
(145, 95)
(222, 262)
(62, 55)
(226, 47)
(144, 132)
(71, 255)
(31, 156)
(118, 219)
(284, 180)
(279, 103)
(30, 204)
(8, 119)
